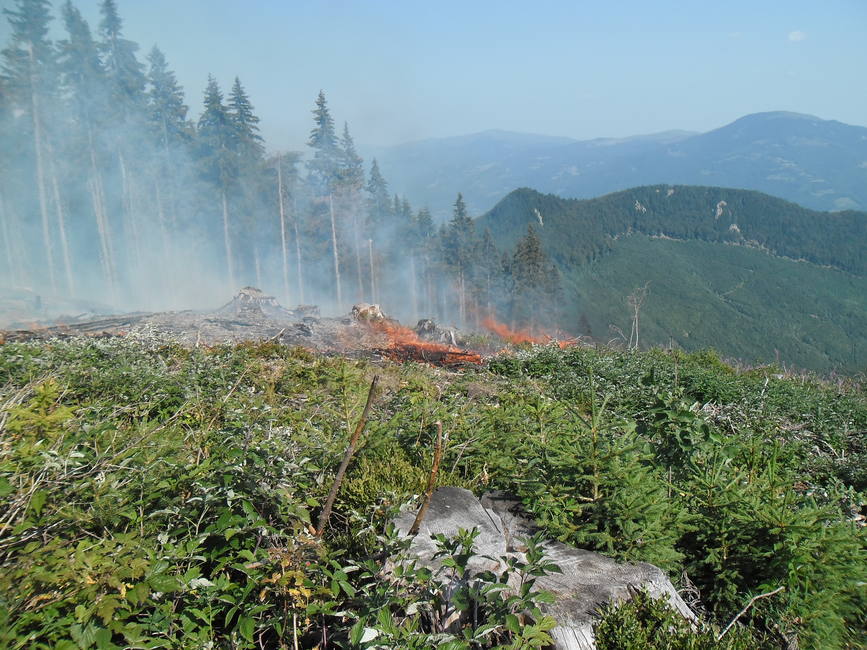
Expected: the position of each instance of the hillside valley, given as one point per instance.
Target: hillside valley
(821, 164)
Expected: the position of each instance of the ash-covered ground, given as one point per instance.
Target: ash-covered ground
(253, 316)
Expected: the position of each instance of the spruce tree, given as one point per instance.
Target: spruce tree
(378, 200)
(349, 183)
(326, 152)
(535, 281)
(457, 251)
(126, 86)
(167, 118)
(248, 142)
(249, 151)
(85, 82)
(167, 111)
(29, 75)
(216, 135)
(124, 71)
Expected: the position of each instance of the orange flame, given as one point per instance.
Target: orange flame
(404, 344)
(522, 336)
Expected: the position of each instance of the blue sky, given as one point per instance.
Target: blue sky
(408, 70)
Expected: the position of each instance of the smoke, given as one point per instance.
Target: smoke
(118, 197)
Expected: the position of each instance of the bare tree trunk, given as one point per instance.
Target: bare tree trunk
(284, 246)
(461, 313)
(97, 196)
(374, 289)
(61, 223)
(129, 214)
(258, 265)
(356, 232)
(297, 249)
(334, 252)
(40, 170)
(168, 262)
(227, 242)
(413, 289)
(6, 235)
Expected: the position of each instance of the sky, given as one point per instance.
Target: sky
(406, 70)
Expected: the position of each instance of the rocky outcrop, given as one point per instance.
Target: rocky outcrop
(588, 580)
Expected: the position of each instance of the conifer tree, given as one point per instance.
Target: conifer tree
(457, 250)
(167, 117)
(216, 135)
(29, 71)
(167, 112)
(249, 143)
(124, 71)
(85, 81)
(378, 200)
(350, 181)
(248, 148)
(126, 86)
(536, 282)
(326, 152)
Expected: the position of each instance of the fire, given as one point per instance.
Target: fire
(522, 336)
(405, 345)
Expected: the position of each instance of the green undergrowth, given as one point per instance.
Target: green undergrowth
(156, 496)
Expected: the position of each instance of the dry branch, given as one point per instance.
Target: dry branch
(744, 610)
(431, 481)
(347, 456)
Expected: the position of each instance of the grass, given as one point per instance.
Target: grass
(156, 496)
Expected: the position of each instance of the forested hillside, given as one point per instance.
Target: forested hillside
(756, 277)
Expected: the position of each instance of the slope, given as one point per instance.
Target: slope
(754, 276)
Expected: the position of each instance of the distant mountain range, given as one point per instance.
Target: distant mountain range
(820, 164)
(756, 277)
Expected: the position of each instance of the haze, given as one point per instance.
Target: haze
(401, 71)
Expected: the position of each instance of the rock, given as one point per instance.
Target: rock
(588, 580)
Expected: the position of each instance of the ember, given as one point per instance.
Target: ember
(436, 357)
(522, 336)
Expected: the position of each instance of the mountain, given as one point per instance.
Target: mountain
(759, 278)
(821, 164)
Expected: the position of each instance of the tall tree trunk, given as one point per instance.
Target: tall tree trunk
(283, 241)
(38, 138)
(97, 196)
(6, 229)
(61, 223)
(298, 249)
(130, 217)
(413, 289)
(227, 242)
(334, 252)
(257, 265)
(461, 314)
(167, 262)
(356, 233)
(374, 289)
